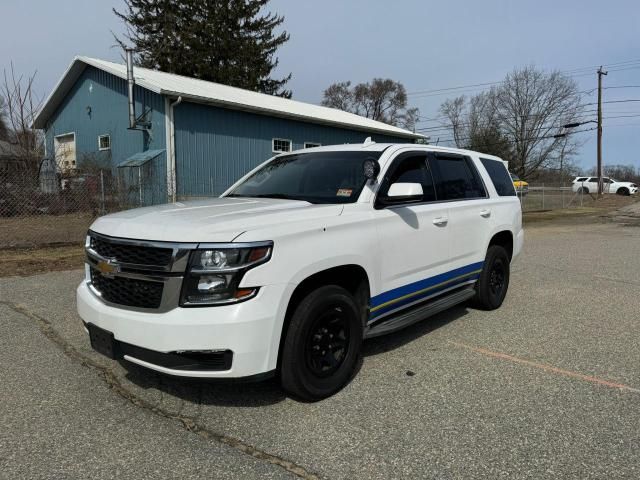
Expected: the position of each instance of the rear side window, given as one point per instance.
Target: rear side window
(499, 176)
(455, 178)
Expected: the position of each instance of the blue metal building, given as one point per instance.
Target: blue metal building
(191, 138)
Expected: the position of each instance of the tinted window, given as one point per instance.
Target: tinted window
(411, 169)
(499, 176)
(455, 178)
(581, 179)
(321, 177)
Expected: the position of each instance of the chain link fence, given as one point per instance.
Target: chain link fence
(543, 197)
(47, 209)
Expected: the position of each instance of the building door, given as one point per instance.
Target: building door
(64, 147)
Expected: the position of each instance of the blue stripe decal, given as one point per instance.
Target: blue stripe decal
(406, 294)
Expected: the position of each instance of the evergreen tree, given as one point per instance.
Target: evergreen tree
(224, 41)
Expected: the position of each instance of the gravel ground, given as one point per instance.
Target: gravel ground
(548, 386)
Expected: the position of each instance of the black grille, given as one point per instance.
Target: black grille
(125, 253)
(128, 291)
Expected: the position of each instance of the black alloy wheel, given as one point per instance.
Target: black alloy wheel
(321, 350)
(493, 283)
(327, 342)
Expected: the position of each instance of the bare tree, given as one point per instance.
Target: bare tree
(455, 114)
(4, 130)
(520, 120)
(21, 108)
(532, 106)
(384, 100)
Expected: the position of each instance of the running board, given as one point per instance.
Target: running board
(415, 315)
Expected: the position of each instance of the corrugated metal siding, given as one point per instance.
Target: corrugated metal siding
(216, 146)
(106, 96)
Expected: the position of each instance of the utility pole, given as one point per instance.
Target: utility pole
(599, 166)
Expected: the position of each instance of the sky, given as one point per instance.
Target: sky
(426, 45)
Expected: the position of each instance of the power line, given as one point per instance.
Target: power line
(617, 101)
(543, 137)
(627, 65)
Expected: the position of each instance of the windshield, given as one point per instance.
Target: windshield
(321, 177)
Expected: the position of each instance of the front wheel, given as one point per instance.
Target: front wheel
(623, 191)
(322, 346)
(494, 279)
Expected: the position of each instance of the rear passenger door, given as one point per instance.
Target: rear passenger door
(460, 187)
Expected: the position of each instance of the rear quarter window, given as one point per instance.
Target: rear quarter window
(500, 177)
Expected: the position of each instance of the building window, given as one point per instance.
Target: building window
(104, 142)
(65, 152)
(280, 145)
(311, 144)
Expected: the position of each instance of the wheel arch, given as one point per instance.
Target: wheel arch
(351, 276)
(504, 238)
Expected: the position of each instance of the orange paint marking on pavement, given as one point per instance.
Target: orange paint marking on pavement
(547, 368)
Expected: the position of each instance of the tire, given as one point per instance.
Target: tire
(583, 190)
(493, 283)
(623, 191)
(324, 315)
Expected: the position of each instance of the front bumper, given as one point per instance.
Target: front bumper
(250, 330)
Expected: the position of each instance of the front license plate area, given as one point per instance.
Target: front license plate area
(102, 341)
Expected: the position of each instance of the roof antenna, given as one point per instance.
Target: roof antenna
(368, 141)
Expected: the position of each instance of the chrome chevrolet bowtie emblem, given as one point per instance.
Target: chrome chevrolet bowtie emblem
(108, 268)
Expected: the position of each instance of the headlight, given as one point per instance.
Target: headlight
(214, 273)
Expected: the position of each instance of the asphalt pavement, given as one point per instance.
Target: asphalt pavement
(548, 386)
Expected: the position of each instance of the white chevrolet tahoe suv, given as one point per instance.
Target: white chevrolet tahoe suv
(299, 261)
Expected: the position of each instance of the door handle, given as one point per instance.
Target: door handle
(485, 213)
(440, 221)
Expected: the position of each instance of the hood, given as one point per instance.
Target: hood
(213, 220)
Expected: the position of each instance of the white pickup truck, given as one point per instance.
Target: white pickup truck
(299, 261)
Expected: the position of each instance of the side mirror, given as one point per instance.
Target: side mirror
(405, 192)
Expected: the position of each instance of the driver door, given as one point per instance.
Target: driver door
(413, 238)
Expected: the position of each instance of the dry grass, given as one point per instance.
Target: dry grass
(24, 262)
(40, 230)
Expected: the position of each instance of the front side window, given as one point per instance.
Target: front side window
(323, 177)
(410, 169)
(279, 145)
(500, 177)
(455, 178)
(311, 144)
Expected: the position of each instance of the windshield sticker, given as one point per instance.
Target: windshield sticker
(344, 192)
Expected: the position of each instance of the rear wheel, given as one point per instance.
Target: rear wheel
(493, 283)
(322, 347)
